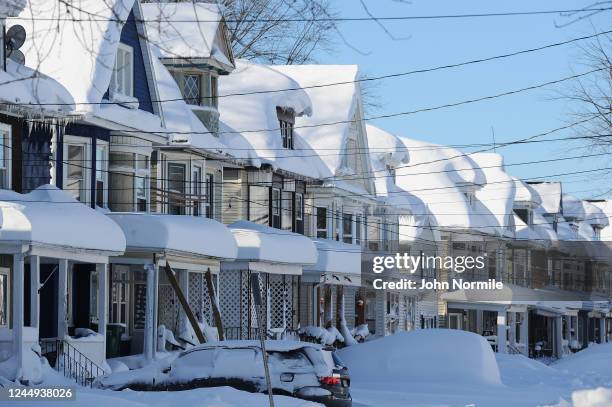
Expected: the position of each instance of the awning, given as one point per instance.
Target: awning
(50, 219)
(270, 250)
(188, 237)
(338, 263)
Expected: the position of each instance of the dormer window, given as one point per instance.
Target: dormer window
(286, 120)
(391, 171)
(122, 80)
(191, 90)
(526, 215)
(469, 195)
(596, 232)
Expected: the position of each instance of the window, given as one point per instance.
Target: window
(596, 232)
(123, 73)
(4, 297)
(286, 129)
(196, 190)
(286, 120)
(76, 170)
(5, 154)
(259, 201)
(191, 89)
(101, 175)
(176, 188)
(321, 213)
(120, 295)
(391, 171)
(276, 208)
(299, 207)
(347, 228)
(214, 91)
(210, 188)
(287, 210)
(525, 215)
(358, 229)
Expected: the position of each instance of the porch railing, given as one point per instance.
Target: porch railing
(69, 361)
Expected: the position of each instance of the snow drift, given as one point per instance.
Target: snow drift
(432, 356)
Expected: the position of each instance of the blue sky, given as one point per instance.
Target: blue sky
(439, 42)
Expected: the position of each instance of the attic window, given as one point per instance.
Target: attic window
(122, 79)
(596, 232)
(391, 171)
(286, 120)
(525, 215)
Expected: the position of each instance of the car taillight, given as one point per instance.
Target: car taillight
(330, 380)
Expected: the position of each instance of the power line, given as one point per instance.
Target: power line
(326, 19)
(358, 80)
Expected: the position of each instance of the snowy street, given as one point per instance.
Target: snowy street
(406, 370)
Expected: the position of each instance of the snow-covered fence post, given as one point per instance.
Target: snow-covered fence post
(34, 295)
(150, 333)
(18, 311)
(102, 300)
(62, 305)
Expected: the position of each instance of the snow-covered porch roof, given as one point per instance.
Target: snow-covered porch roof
(184, 240)
(516, 297)
(270, 250)
(338, 263)
(53, 224)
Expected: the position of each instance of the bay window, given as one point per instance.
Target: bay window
(358, 229)
(5, 154)
(347, 228)
(287, 210)
(276, 208)
(101, 175)
(129, 180)
(196, 190)
(210, 189)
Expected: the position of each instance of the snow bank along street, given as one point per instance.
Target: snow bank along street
(200, 206)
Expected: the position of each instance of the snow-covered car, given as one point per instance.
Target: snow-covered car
(299, 369)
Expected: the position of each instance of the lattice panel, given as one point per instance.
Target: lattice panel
(230, 298)
(168, 307)
(195, 294)
(278, 302)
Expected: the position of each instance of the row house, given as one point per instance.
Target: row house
(342, 205)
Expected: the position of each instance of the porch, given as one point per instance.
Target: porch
(45, 251)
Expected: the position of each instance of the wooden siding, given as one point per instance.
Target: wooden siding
(235, 195)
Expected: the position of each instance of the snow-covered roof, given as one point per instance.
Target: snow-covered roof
(176, 234)
(250, 120)
(187, 30)
(177, 114)
(78, 52)
(32, 91)
(525, 193)
(336, 104)
(606, 207)
(436, 174)
(338, 263)
(549, 194)
(266, 244)
(498, 193)
(50, 217)
(387, 149)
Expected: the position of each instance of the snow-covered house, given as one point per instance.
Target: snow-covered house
(417, 234)
(342, 205)
(268, 191)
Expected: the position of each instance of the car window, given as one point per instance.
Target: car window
(196, 358)
(294, 361)
(238, 363)
(337, 359)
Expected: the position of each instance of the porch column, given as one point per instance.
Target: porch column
(34, 295)
(150, 331)
(18, 311)
(602, 330)
(479, 327)
(512, 328)
(102, 300)
(558, 339)
(568, 330)
(525, 333)
(62, 291)
(501, 332)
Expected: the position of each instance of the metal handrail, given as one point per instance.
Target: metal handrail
(71, 362)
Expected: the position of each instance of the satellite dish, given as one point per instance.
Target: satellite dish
(15, 37)
(17, 56)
